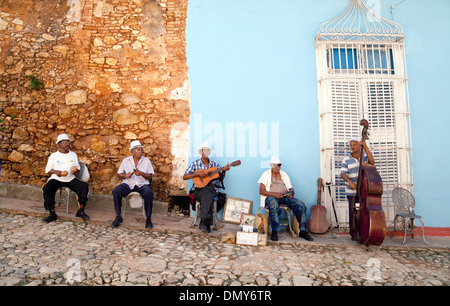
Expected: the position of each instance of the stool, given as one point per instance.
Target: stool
(285, 221)
(134, 200)
(216, 223)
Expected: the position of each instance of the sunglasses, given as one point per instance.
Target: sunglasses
(275, 165)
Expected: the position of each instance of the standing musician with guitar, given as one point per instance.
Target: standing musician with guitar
(350, 172)
(198, 171)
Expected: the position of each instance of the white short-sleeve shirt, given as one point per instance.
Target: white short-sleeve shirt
(128, 166)
(62, 162)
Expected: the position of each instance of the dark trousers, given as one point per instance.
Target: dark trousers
(205, 196)
(123, 190)
(351, 203)
(79, 187)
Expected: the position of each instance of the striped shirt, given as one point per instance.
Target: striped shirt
(350, 166)
(198, 165)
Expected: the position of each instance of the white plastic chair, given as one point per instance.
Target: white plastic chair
(134, 200)
(82, 175)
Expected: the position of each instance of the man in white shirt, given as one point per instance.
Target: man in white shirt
(136, 171)
(63, 166)
(276, 189)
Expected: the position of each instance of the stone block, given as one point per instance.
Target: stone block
(76, 97)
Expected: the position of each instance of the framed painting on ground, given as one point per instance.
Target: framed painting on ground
(233, 209)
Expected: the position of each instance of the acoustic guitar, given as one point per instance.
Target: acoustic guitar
(211, 174)
(318, 223)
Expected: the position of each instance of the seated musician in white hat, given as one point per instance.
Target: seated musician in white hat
(206, 194)
(276, 189)
(63, 166)
(136, 171)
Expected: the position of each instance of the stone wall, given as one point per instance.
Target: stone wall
(112, 71)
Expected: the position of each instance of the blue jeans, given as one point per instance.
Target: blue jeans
(299, 210)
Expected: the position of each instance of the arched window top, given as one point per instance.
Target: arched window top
(359, 23)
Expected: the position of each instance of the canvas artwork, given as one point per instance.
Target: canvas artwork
(233, 209)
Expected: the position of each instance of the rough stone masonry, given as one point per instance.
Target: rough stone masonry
(104, 72)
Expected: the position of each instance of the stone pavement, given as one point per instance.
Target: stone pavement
(72, 251)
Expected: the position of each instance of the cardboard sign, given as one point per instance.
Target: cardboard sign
(245, 238)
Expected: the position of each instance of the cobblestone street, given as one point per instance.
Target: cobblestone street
(69, 252)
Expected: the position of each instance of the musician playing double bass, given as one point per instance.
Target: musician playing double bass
(350, 172)
(206, 194)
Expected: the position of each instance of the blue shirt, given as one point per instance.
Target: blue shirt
(198, 165)
(350, 166)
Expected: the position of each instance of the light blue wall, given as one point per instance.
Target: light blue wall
(252, 62)
(427, 30)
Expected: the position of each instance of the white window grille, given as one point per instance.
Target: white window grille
(361, 73)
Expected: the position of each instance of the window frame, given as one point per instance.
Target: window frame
(347, 95)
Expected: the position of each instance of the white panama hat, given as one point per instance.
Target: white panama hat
(135, 144)
(204, 145)
(357, 139)
(62, 137)
(274, 160)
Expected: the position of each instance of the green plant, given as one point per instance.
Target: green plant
(35, 83)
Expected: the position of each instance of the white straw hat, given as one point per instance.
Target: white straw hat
(62, 137)
(135, 144)
(274, 160)
(204, 145)
(357, 139)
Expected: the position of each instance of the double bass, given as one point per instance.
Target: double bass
(369, 220)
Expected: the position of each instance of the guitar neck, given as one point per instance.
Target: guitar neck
(212, 172)
(234, 164)
(319, 191)
(217, 170)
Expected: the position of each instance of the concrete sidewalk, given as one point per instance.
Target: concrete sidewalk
(165, 222)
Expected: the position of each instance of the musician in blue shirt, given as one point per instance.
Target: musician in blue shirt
(206, 194)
